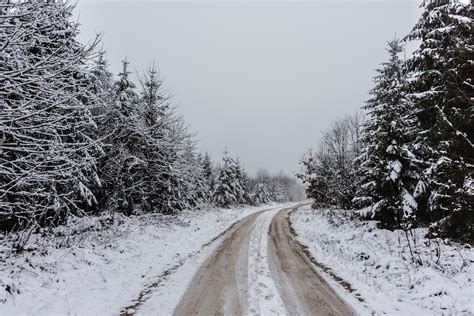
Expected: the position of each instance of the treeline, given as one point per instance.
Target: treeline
(232, 186)
(76, 140)
(410, 163)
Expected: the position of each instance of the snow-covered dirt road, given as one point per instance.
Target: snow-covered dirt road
(259, 269)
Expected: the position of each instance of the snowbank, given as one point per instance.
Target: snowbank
(437, 279)
(97, 266)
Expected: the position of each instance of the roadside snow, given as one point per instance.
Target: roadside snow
(263, 295)
(379, 266)
(97, 266)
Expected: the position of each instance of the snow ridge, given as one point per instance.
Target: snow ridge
(263, 296)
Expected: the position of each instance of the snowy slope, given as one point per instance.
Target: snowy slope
(101, 268)
(378, 264)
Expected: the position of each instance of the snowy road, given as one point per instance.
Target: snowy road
(259, 269)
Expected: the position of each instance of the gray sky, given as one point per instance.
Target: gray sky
(262, 78)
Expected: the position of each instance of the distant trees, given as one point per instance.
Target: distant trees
(330, 173)
(413, 163)
(276, 188)
(233, 186)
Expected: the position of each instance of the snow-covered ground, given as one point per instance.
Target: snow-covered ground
(97, 266)
(378, 264)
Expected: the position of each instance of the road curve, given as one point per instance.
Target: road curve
(226, 284)
(302, 289)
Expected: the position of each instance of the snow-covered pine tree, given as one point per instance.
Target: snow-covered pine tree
(208, 172)
(279, 193)
(120, 163)
(315, 175)
(196, 190)
(389, 175)
(157, 167)
(102, 80)
(261, 194)
(163, 137)
(48, 153)
(228, 189)
(243, 179)
(442, 91)
(103, 85)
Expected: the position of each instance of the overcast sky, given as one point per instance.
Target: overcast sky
(262, 78)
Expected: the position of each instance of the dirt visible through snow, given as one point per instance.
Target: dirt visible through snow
(259, 269)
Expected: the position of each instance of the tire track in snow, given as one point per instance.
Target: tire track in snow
(258, 269)
(263, 296)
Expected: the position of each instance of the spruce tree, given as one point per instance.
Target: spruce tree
(442, 92)
(228, 190)
(156, 172)
(279, 193)
(261, 194)
(243, 179)
(163, 138)
(208, 172)
(315, 175)
(196, 186)
(121, 162)
(48, 151)
(387, 165)
(103, 80)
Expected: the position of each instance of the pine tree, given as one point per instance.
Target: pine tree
(196, 183)
(261, 194)
(48, 153)
(228, 190)
(102, 89)
(121, 162)
(389, 173)
(442, 91)
(243, 179)
(103, 80)
(279, 193)
(155, 151)
(163, 138)
(313, 177)
(208, 172)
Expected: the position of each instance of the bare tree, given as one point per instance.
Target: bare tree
(330, 173)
